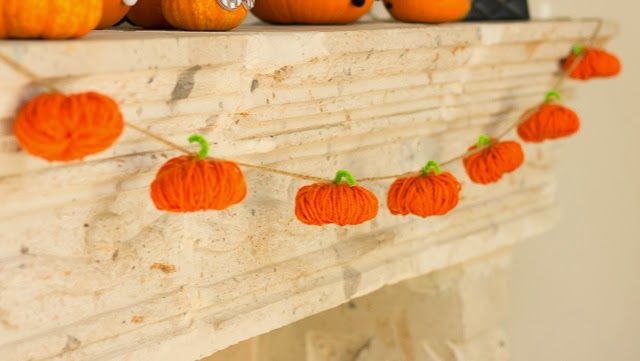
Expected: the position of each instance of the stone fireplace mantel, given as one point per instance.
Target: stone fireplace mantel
(89, 270)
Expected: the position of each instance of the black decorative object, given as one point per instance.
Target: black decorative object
(498, 10)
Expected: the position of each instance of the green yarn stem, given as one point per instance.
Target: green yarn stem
(484, 140)
(431, 165)
(552, 95)
(345, 175)
(204, 146)
(578, 49)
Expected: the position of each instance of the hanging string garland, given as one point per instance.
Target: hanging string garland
(492, 160)
(552, 120)
(340, 202)
(432, 193)
(592, 63)
(58, 127)
(193, 183)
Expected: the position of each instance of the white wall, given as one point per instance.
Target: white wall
(576, 290)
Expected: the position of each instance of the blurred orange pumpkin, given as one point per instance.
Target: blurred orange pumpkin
(202, 15)
(60, 127)
(311, 11)
(428, 11)
(48, 19)
(113, 11)
(592, 63)
(148, 14)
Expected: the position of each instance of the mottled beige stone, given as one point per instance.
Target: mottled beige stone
(454, 314)
(79, 241)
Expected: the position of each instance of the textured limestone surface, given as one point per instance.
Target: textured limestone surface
(89, 270)
(455, 314)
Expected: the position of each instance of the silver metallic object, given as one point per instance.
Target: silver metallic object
(234, 4)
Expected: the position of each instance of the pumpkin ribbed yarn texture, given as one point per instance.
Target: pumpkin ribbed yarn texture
(497, 158)
(550, 121)
(335, 203)
(190, 184)
(430, 194)
(594, 63)
(57, 127)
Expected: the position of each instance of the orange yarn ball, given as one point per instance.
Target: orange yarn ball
(190, 184)
(335, 203)
(58, 127)
(495, 159)
(430, 194)
(551, 121)
(595, 63)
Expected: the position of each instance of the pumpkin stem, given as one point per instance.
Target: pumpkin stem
(431, 166)
(345, 175)
(578, 49)
(204, 146)
(551, 96)
(484, 141)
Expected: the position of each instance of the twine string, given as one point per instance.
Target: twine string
(559, 82)
(35, 79)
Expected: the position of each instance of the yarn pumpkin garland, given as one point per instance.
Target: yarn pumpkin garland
(433, 193)
(491, 159)
(71, 127)
(551, 120)
(192, 183)
(336, 203)
(58, 127)
(592, 63)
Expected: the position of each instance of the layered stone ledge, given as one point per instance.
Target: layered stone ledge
(90, 270)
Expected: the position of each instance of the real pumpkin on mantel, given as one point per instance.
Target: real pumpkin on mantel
(431, 11)
(203, 14)
(113, 11)
(312, 12)
(48, 19)
(147, 14)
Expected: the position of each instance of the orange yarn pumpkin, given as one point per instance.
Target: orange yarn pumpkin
(113, 11)
(48, 19)
(430, 194)
(201, 15)
(336, 203)
(550, 121)
(428, 11)
(148, 14)
(594, 63)
(194, 183)
(57, 127)
(311, 11)
(493, 160)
